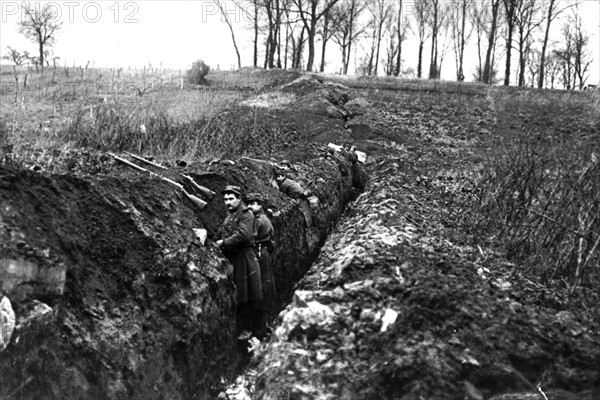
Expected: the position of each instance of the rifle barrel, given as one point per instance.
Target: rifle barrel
(128, 163)
(142, 159)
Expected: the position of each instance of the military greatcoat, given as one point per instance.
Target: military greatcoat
(291, 188)
(264, 246)
(237, 232)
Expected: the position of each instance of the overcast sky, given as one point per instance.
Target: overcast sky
(175, 33)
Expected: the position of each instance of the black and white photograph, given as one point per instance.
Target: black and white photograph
(300, 200)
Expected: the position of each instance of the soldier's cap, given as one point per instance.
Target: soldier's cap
(232, 189)
(254, 197)
(286, 162)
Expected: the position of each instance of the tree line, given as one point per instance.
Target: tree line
(287, 33)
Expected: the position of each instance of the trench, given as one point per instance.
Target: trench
(114, 296)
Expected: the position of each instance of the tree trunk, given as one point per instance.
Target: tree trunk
(544, 45)
(344, 61)
(311, 42)
(487, 71)
(325, 38)
(41, 47)
(510, 15)
(420, 63)
(378, 47)
(399, 55)
(460, 74)
(349, 44)
(522, 52)
(434, 42)
(255, 34)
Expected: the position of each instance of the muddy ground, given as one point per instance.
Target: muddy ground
(403, 302)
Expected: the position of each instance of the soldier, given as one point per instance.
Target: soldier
(293, 190)
(263, 245)
(287, 186)
(350, 154)
(236, 238)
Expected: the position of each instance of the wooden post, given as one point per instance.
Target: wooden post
(181, 84)
(16, 85)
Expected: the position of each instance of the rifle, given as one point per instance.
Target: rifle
(206, 192)
(195, 200)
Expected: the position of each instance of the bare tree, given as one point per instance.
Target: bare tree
(391, 65)
(510, 7)
(565, 56)
(553, 12)
(446, 47)
(274, 11)
(402, 25)
(479, 15)
(347, 30)
(582, 55)
(327, 31)
(533, 62)
(228, 22)
(421, 12)
(255, 21)
(311, 11)
(436, 21)
(367, 67)
(552, 68)
(381, 11)
(526, 23)
(40, 25)
(575, 57)
(461, 34)
(488, 67)
(15, 56)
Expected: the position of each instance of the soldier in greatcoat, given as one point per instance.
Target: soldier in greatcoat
(236, 238)
(264, 246)
(288, 186)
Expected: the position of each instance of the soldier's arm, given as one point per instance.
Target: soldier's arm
(242, 234)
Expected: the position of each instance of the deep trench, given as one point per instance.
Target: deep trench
(144, 313)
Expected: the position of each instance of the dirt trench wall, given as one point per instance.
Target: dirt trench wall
(115, 297)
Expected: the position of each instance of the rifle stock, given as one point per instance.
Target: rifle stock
(195, 200)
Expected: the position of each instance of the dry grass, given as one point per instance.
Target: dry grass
(142, 111)
(539, 192)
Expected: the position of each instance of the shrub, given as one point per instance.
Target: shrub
(196, 74)
(544, 206)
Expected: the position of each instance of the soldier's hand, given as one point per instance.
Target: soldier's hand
(220, 242)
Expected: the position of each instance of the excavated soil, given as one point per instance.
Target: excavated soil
(401, 302)
(405, 303)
